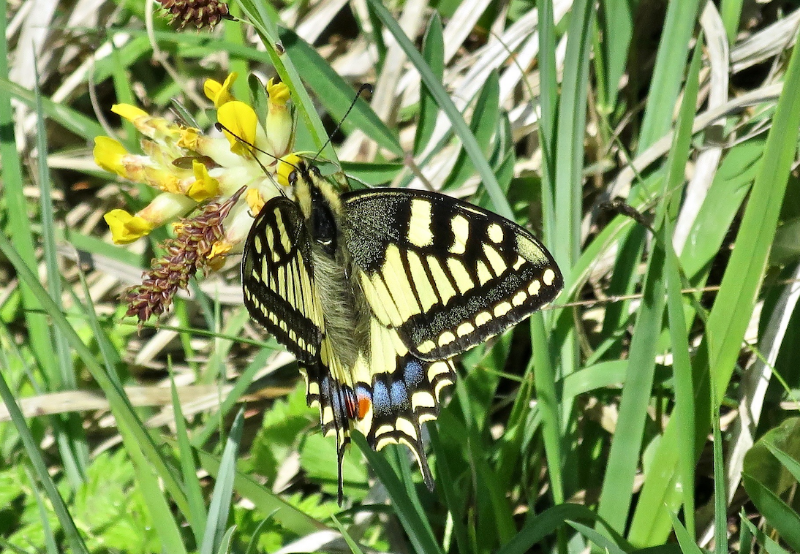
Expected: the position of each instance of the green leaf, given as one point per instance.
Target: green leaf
(408, 510)
(446, 104)
(433, 53)
(668, 72)
(483, 125)
(336, 94)
(223, 489)
(771, 468)
(732, 309)
(373, 174)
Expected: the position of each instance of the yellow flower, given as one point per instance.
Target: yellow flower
(220, 93)
(126, 228)
(240, 123)
(279, 118)
(131, 113)
(223, 178)
(255, 201)
(108, 154)
(205, 186)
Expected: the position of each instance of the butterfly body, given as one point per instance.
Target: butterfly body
(374, 292)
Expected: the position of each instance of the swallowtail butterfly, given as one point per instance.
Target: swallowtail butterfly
(375, 291)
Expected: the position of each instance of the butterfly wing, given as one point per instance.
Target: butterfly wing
(280, 292)
(396, 392)
(278, 279)
(446, 275)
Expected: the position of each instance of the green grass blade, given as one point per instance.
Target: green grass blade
(731, 184)
(161, 511)
(549, 402)
(684, 386)
(734, 304)
(433, 52)
(720, 494)
(569, 139)
(730, 315)
(69, 431)
(19, 226)
(194, 494)
(685, 539)
(762, 539)
(49, 536)
(220, 506)
(453, 494)
(548, 102)
(69, 119)
(336, 94)
(668, 72)
(352, 544)
(566, 195)
(263, 17)
(153, 476)
(239, 388)
(126, 418)
(409, 512)
(731, 13)
(791, 463)
(460, 127)
(290, 517)
(623, 459)
(71, 533)
(596, 538)
(776, 511)
(745, 534)
(771, 471)
(371, 173)
(482, 125)
(540, 526)
(616, 21)
(616, 495)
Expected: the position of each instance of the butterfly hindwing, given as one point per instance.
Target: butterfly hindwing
(396, 392)
(278, 279)
(446, 274)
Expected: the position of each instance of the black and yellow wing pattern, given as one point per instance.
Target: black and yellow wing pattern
(375, 291)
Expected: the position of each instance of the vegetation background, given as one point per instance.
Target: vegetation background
(651, 145)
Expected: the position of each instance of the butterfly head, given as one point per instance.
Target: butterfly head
(318, 201)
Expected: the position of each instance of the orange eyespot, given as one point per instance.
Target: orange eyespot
(364, 404)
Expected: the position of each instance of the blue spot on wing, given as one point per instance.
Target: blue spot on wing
(413, 373)
(399, 397)
(381, 403)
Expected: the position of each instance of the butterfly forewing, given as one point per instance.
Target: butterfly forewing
(447, 275)
(278, 279)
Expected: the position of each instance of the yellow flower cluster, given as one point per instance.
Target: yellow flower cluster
(190, 168)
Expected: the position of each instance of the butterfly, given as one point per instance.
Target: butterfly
(375, 291)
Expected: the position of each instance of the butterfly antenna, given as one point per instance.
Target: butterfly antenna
(221, 127)
(366, 87)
